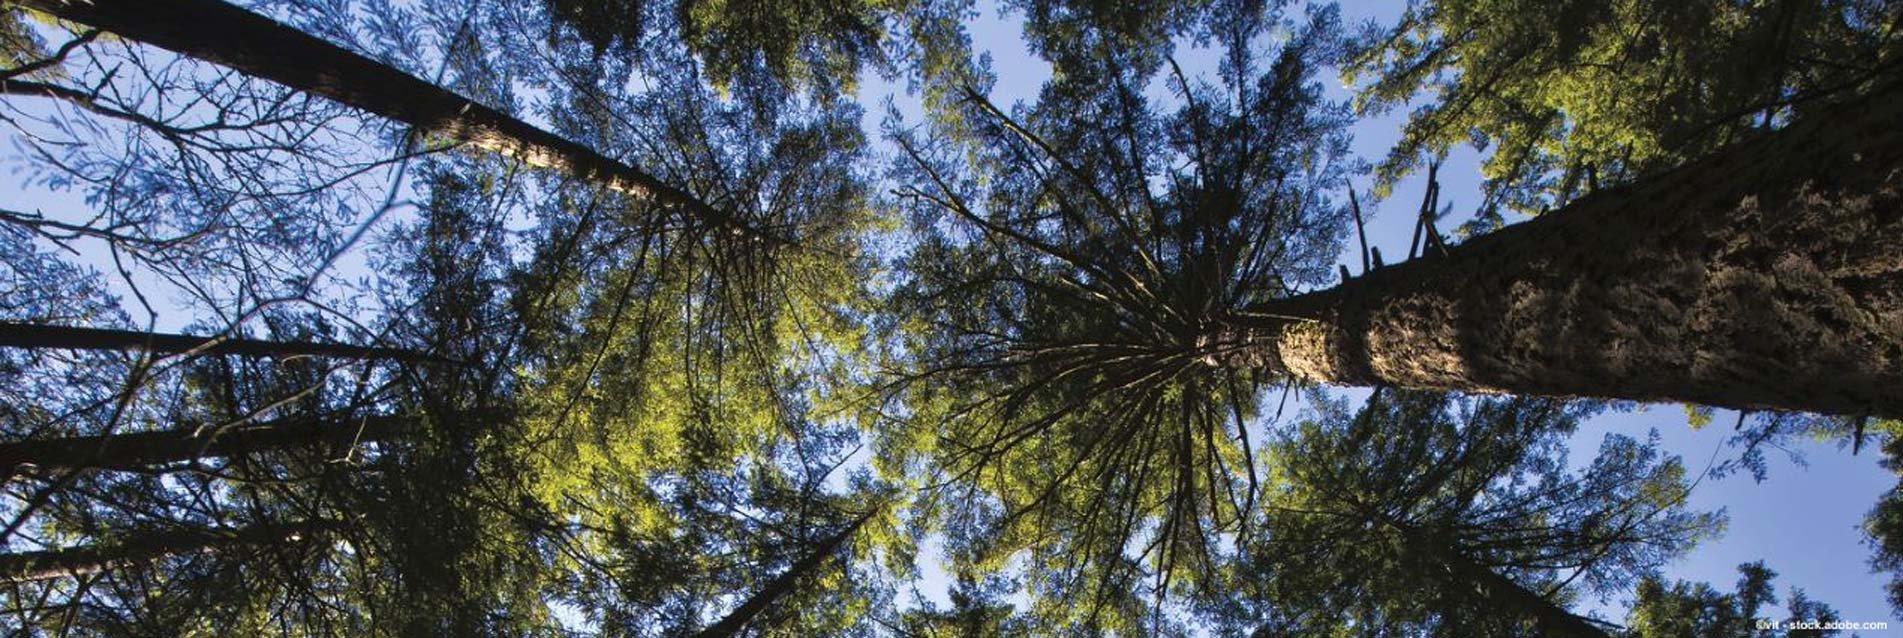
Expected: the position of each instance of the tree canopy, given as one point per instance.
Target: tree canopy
(628, 318)
(1566, 96)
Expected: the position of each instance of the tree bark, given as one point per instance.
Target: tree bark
(735, 621)
(26, 335)
(233, 37)
(88, 559)
(135, 450)
(1768, 275)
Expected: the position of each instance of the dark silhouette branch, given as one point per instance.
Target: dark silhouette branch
(139, 450)
(48, 564)
(27, 335)
(1361, 233)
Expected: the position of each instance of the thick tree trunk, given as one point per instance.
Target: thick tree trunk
(735, 621)
(26, 335)
(136, 450)
(1768, 275)
(89, 559)
(231, 36)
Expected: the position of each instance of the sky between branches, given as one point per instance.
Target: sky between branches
(1804, 521)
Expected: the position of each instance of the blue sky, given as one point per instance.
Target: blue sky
(1803, 521)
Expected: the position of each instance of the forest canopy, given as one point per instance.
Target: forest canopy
(790, 318)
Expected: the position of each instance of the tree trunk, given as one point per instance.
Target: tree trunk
(88, 559)
(231, 36)
(1548, 618)
(26, 335)
(1767, 275)
(137, 450)
(784, 583)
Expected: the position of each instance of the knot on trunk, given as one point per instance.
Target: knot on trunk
(1236, 347)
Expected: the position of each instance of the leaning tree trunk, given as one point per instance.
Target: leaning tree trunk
(1508, 597)
(138, 450)
(88, 559)
(231, 36)
(27, 335)
(737, 620)
(1458, 574)
(1767, 275)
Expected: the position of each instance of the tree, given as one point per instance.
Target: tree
(230, 202)
(156, 449)
(770, 593)
(1424, 513)
(746, 44)
(1073, 33)
(225, 34)
(653, 415)
(1070, 257)
(680, 422)
(977, 611)
(460, 525)
(1706, 323)
(24, 335)
(491, 503)
(80, 561)
(1883, 526)
(1571, 95)
(445, 540)
(1062, 290)
(1688, 610)
(1753, 278)
(296, 438)
(767, 51)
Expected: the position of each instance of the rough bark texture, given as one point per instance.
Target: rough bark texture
(87, 559)
(231, 36)
(148, 449)
(26, 335)
(1768, 275)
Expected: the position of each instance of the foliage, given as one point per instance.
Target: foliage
(1883, 526)
(1071, 258)
(1006, 338)
(1376, 519)
(1571, 95)
(1687, 610)
(769, 48)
